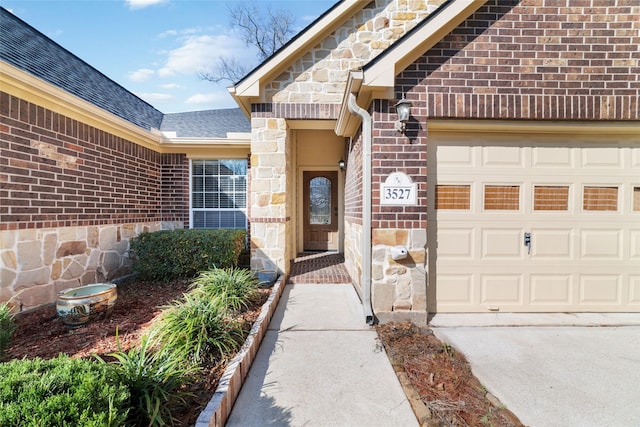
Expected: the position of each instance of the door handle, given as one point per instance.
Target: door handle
(527, 242)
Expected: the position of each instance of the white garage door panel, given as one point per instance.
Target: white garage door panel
(552, 244)
(550, 289)
(599, 157)
(502, 244)
(503, 156)
(456, 290)
(601, 244)
(634, 243)
(501, 289)
(456, 243)
(600, 289)
(552, 157)
(579, 259)
(634, 290)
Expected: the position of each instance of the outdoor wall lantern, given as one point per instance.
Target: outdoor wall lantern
(342, 165)
(403, 108)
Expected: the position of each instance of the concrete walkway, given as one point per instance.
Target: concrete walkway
(321, 365)
(566, 370)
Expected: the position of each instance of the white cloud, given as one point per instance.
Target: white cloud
(153, 98)
(168, 33)
(170, 86)
(141, 75)
(203, 98)
(140, 4)
(199, 53)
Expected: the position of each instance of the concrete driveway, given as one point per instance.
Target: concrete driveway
(559, 370)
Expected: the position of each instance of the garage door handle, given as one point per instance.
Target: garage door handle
(527, 242)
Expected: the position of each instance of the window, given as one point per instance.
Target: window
(550, 198)
(219, 193)
(636, 199)
(502, 197)
(600, 199)
(453, 197)
(320, 201)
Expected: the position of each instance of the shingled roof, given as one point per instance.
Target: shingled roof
(31, 51)
(206, 124)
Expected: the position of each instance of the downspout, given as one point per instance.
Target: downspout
(366, 202)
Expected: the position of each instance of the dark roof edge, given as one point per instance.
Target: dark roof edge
(80, 59)
(408, 34)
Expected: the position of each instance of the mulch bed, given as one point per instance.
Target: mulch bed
(41, 333)
(442, 378)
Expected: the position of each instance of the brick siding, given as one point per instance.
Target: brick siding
(353, 183)
(541, 59)
(393, 151)
(57, 172)
(175, 188)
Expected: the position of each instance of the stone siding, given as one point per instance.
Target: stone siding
(270, 197)
(38, 263)
(353, 253)
(398, 288)
(321, 74)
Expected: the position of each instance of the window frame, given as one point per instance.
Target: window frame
(193, 210)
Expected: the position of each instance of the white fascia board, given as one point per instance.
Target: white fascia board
(251, 86)
(383, 72)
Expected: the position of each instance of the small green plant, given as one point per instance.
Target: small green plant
(153, 379)
(60, 392)
(198, 326)
(172, 254)
(236, 287)
(7, 327)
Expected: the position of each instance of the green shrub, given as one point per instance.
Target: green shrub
(198, 326)
(236, 287)
(7, 327)
(60, 392)
(153, 379)
(172, 254)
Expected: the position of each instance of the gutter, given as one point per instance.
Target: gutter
(366, 208)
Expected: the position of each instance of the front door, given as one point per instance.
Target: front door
(320, 210)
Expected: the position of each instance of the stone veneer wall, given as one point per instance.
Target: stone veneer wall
(38, 263)
(270, 193)
(320, 75)
(353, 253)
(398, 288)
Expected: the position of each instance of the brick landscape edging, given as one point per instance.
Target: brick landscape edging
(221, 403)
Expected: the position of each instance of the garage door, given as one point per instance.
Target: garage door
(535, 223)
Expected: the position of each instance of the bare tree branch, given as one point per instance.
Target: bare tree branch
(263, 28)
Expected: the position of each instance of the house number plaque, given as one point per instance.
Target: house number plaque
(398, 190)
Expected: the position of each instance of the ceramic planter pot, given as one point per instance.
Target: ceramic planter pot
(267, 277)
(78, 306)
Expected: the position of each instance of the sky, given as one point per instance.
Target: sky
(155, 48)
